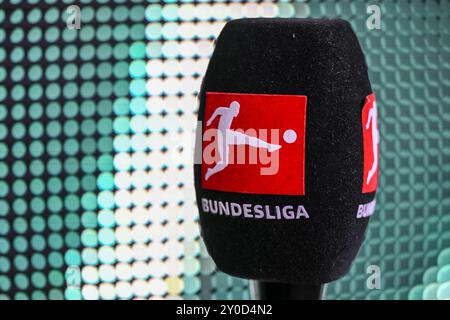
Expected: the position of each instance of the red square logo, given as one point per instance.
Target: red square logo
(371, 139)
(254, 143)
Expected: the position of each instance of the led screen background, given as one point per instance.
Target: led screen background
(96, 126)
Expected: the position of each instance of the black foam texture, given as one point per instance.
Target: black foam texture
(323, 60)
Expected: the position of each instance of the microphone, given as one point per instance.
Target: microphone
(288, 139)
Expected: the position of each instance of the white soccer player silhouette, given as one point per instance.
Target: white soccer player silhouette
(372, 121)
(227, 137)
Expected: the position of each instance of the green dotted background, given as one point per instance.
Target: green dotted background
(96, 125)
(57, 91)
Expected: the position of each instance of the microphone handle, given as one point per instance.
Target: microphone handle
(262, 290)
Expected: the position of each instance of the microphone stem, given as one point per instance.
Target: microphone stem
(262, 290)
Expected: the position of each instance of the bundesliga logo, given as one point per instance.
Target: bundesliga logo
(371, 140)
(242, 149)
(228, 137)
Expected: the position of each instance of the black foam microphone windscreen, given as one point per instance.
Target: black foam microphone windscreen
(289, 150)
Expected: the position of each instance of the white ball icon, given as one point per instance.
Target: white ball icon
(289, 136)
